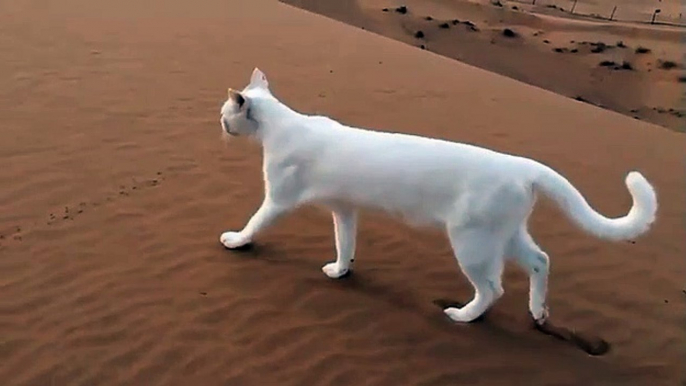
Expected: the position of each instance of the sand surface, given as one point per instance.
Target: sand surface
(115, 186)
(618, 65)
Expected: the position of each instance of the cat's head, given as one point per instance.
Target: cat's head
(237, 116)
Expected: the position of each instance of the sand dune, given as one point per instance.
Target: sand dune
(115, 187)
(616, 65)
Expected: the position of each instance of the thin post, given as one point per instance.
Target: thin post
(573, 6)
(652, 20)
(613, 13)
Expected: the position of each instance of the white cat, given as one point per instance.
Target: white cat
(481, 198)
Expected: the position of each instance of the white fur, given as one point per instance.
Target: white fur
(480, 197)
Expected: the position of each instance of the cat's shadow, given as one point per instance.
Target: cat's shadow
(589, 343)
(397, 296)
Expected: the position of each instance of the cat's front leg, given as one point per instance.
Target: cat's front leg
(265, 215)
(345, 228)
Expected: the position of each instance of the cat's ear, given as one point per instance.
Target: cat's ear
(258, 79)
(238, 98)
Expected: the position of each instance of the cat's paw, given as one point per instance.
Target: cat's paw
(233, 240)
(335, 270)
(458, 315)
(539, 314)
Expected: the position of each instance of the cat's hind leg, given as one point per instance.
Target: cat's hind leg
(479, 253)
(345, 230)
(535, 262)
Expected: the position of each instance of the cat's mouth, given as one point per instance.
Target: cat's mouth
(226, 128)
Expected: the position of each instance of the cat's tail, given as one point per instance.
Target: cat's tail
(635, 223)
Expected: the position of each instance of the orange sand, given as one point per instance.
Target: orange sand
(115, 187)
